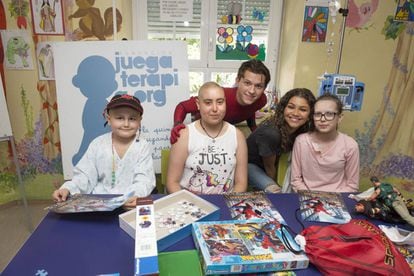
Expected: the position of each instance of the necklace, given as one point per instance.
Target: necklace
(113, 168)
(213, 138)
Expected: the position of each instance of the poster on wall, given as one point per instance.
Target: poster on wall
(88, 74)
(176, 10)
(405, 11)
(17, 50)
(315, 21)
(47, 17)
(238, 35)
(45, 61)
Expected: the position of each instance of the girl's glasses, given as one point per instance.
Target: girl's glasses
(329, 116)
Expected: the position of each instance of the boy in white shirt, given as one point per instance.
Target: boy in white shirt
(118, 162)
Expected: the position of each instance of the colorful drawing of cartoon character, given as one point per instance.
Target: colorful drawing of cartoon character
(17, 46)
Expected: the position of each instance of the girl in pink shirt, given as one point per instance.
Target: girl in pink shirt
(326, 159)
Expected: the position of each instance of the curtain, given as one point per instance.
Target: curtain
(395, 123)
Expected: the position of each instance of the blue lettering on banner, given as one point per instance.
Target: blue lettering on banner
(149, 83)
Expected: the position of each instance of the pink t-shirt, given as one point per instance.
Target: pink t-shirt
(334, 170)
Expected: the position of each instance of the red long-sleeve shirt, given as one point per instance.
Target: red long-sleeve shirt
(235, 113)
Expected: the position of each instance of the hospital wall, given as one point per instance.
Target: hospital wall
(383, 128)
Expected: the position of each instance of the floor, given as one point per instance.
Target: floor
(15, 228)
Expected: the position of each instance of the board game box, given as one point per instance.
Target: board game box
(323, 207)
(174, 214)
(246, 246)
(81, 203)
(146, 254)
(252, 205)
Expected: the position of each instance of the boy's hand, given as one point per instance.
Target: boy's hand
(60, 195)
(130, 203)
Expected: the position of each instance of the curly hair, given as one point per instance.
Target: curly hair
(255, 66)
(278, 118)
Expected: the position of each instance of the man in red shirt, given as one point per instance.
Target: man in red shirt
(242, 101)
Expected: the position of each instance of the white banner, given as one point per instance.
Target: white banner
(89, 73)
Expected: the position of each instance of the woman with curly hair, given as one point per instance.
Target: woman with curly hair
(276, 135)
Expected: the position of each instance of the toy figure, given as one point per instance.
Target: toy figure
(391, 197)
(377, 210)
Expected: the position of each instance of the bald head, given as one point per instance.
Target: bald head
(209, 86)
(211, 102)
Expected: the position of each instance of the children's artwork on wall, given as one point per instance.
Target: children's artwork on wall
(358, 17)
(243, 49)
(86, 22)
(47, 17)
(405, 11)
(315, 23)
(233, 13)
(19, 9)
(258, 14)
(45, 64)
(17, 50)
(225, 38)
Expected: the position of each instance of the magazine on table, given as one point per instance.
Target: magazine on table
(80, 203)
(252, 205)
(323, 207)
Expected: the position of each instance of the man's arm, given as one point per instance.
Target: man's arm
(374, 195)
(181, 110)
(251, 122)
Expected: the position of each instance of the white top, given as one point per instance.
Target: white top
(210, 166)
(133, 173)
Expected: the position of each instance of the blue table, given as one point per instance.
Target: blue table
(93, 243)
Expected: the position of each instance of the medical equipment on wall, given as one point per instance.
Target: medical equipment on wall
(349, 91)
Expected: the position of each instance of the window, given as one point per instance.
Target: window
(220, 35)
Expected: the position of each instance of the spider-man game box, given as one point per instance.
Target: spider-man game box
(246, 246)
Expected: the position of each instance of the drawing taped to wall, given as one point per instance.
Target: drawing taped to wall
(315, 23)
(45, 62)
(17, 50)
(47, 17)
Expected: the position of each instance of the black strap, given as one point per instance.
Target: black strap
(286, 234)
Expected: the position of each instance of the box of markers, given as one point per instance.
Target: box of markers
(174, 215)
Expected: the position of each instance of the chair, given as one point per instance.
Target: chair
(165, 155)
